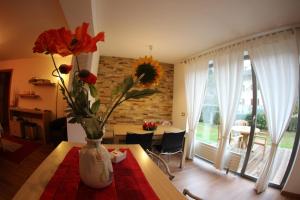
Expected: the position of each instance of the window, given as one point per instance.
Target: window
(207, 130)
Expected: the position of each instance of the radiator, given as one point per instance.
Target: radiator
(208, 152)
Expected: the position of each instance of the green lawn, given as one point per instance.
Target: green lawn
(209, 134)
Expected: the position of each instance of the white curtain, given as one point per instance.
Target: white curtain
(196, 72)
(228, 66)
(276, 64)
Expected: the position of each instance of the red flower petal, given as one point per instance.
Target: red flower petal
(46, 42)
(64, 42)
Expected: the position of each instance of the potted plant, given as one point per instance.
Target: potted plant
(95, 165)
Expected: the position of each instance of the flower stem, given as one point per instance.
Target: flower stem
(118, 102)
(111, 110)
(77, 62)
(63, 83)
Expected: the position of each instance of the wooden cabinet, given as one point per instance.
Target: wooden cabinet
(15, 128)
(39, 117)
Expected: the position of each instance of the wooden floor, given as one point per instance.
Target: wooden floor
(198, 176)
(12, 176)
(202, 179)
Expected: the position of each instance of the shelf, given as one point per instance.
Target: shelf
(40, 82)
(32, 96)
(43, 84)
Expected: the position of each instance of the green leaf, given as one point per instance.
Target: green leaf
(68, 110)
(81, 100)
(127, 84)
(93, 90)
(116, 90)
(71, 114)
(95, 106)
(137, 94)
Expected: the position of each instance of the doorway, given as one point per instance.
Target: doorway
(5, 82)
(258, 142)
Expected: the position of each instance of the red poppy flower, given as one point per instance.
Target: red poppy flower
(79, 42)
(64, 42)
(83, 42)
(65, 69)
(87, 76)
(46, 42)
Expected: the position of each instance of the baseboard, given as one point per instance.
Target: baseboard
(290, 194)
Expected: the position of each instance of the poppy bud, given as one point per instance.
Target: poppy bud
(65, 69)
(87, 76)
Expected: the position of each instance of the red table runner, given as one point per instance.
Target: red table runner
(129, 182)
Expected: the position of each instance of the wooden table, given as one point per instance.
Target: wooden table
(244, 131)
(120, 131)
(34, 186)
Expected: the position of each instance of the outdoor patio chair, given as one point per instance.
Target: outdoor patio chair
(241, 122)
(235, 136)
(261, 139)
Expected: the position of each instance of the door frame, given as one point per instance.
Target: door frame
(251, 137)
(10, 71)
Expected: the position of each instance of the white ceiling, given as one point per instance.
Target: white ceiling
(175, 28)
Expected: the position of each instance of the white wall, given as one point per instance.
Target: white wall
(77, 12)
(39, 67)
(179, 101)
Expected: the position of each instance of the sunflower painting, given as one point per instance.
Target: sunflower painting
(150, 69)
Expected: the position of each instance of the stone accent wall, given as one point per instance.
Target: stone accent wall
(111, 71)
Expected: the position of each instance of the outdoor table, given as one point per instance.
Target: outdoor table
(245, 132)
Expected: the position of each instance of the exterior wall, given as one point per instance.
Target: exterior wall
(111, 71)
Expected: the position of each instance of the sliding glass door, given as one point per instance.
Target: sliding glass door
(258, 141)
(250, 140)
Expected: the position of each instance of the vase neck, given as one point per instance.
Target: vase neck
(93, 142)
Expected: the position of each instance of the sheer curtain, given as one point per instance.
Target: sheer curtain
(276, 64)
(196, 72)
(228, 65)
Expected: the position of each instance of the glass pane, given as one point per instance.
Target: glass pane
(207, 130)
(262, 145)
(240, 131)
(285, 148)
(261, 142)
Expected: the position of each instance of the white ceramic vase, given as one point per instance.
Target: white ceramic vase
(95, 166)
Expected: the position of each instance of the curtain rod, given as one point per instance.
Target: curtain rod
(240, 40)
